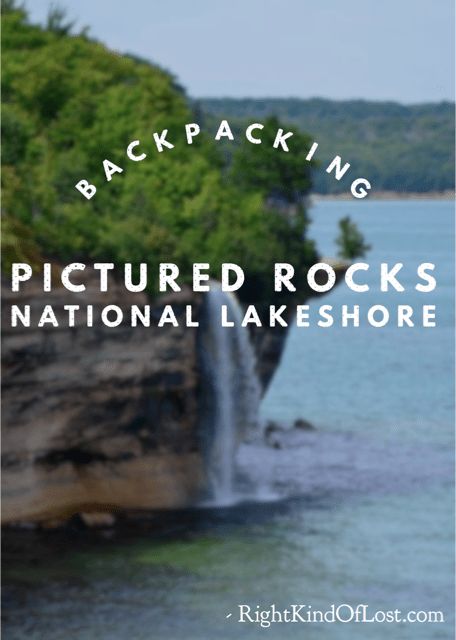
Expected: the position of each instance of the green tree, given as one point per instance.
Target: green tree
(283, 179)
(281, 176)
(9, 6)
(350, 240)
(57, 20)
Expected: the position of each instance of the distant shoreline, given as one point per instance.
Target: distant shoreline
(388, 195)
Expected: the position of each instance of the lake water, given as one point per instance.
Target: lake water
(361, 509)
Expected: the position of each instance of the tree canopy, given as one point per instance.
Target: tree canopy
(68, 102)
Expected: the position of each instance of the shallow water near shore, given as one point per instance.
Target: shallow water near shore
(358, 511)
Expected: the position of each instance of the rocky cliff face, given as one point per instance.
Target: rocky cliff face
(98, 419)
(104, 419)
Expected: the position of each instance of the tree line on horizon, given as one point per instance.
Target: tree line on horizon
(403, 148)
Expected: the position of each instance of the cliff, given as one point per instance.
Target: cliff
(98, 418)
(107, 419)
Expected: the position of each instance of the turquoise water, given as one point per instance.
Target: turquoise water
(361, 509)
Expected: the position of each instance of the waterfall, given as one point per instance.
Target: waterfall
(231, 392)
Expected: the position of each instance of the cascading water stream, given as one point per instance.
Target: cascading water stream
(232, 391)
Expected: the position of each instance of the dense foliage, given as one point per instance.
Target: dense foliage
(398, 147)
(69, 103)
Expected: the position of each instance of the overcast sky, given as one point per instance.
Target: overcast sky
(375, 49)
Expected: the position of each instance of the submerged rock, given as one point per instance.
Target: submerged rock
(273, 435)
(300, 423)
(281, 437)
